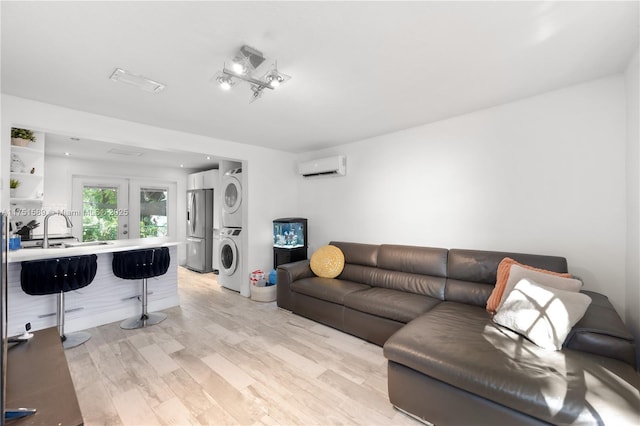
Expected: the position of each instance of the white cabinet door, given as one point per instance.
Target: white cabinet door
(210, 178)
(203, 180)
(195, 181)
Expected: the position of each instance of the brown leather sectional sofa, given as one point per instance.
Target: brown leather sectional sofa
(448, 363)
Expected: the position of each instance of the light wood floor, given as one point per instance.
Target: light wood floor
(220, 358)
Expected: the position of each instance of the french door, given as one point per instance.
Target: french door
(117, 208)
(103, 208)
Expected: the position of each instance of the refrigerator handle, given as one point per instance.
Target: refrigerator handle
(190, 197)
(195, 213)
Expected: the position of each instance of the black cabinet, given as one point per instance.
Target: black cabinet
(282, 255)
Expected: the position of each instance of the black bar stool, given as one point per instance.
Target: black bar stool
(142, 264)
(58, 276)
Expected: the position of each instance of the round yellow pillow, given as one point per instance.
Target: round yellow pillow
(327, 262)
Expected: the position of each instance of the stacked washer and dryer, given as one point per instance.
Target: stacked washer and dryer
(230, 253)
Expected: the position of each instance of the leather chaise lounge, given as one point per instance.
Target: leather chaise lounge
(448, 362)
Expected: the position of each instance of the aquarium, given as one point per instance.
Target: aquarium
(290, 233)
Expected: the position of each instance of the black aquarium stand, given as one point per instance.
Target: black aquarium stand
(283, 255)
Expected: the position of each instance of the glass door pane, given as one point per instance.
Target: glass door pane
(103, 207)
(153, 208)
(153, 212)
(99, 213)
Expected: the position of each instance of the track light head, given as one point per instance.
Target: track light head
(238, 66)
(225, 82)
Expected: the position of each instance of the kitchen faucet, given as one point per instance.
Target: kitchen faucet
(45, 241)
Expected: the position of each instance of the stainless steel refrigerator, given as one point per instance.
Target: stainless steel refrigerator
(200, 229)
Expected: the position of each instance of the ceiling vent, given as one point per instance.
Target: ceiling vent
(125, 152)
(139, 81)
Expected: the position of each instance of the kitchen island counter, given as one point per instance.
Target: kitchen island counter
(107, 299)
(37, 253)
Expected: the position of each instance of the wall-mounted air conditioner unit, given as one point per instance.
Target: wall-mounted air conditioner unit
(330, 166)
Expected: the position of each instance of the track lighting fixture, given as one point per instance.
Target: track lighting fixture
(244, 66)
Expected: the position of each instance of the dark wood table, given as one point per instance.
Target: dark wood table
(38, 377)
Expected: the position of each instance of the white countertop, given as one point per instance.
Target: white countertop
(112, 246)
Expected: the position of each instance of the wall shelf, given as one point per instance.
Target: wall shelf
(26, 150)
(24, 160)
(21, 175)
(25, 200)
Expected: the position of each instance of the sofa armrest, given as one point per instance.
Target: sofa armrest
(287, 274)
(602, 332)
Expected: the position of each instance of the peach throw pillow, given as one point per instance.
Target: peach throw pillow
(502, 277)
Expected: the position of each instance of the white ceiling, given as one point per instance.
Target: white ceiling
(359, 69)
(87, 149)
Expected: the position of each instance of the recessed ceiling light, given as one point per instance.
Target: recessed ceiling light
(143, 83)
(208, 157)
(181, 165)
(67, 154)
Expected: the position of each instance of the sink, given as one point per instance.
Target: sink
(39, 246)
(85, 244)
(69, 244)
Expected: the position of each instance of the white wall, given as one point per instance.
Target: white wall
(542, 175)
(270, 178)
(632, 79)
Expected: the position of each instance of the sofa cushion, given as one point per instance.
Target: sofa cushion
(412, 259)
(544, 315)
(419, 270)
(358, 254)
(392, 304)
(425, 285)
(361, 261)
(459, 345)
(467, 292)
(358, 273)
(472, 273)
(602, 332)
(329, 289)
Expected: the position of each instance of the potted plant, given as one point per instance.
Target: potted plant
(21, 137)
(13, 185)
